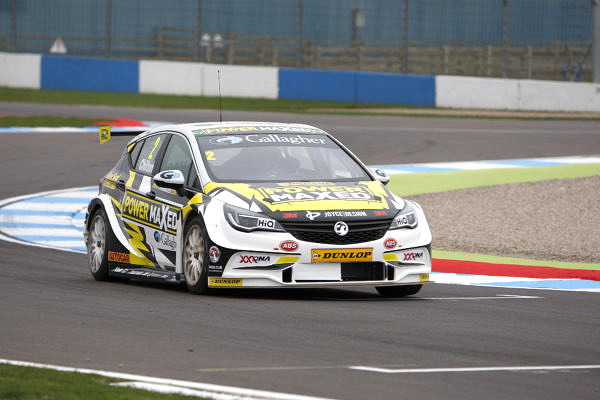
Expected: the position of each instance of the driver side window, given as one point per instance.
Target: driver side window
(178, 156)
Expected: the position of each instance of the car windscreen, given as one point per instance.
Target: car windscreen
(276, 157)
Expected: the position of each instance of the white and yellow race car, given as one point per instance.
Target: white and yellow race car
(253, 205)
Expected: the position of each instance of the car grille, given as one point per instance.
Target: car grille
(322, 232)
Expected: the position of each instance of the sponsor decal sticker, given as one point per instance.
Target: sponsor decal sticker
(272, 128)
(288, 245)
(215, 268)
(165, 240)
(226, 140)
(289, 215)
(312, 215)
(250, 259)
(344, 214)
(342, 255)
(225, 282)
(151, 213)
(214, 254)
(118, 257)
(412, 256)
(275, 195)
(390, 243)
(380, 213)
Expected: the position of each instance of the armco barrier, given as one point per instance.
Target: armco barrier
(102, 74)
(357, 87)
(20, 70)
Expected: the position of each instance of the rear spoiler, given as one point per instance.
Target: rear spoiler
(106, 132)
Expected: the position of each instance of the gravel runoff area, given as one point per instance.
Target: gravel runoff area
(551, 220)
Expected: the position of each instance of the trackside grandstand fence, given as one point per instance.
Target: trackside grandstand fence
(538, 39)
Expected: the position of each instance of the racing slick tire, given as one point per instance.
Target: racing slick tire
(398, 291)
(195, 257)
(99, 241)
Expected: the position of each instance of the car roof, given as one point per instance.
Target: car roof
(235, 127)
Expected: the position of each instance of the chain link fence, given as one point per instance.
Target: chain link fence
(539, 39)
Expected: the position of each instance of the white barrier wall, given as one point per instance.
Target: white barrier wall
(483, 93)
(20, 70)
(515, 94)
(170, 77)
(560, 96)
(241, 81)
(197, 79)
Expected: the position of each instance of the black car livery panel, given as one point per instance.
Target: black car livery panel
(253, 204)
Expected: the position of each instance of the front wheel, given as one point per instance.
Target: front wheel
(195, 257)
(398, 291)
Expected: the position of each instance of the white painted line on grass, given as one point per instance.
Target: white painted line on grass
(209, 390)
(475, 369)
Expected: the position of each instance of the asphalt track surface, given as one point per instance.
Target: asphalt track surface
(298, 341)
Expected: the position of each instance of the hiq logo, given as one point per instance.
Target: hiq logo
(226, 140)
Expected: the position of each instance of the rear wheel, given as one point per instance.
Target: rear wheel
(100, 235)
(398, 291)
(195, 257)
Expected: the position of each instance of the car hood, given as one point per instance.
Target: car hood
(311, 200)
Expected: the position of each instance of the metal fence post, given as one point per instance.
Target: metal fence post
(299, 34)
(198, 45)
(13, 26)
(405, 36)
(108, 28)
(596, 39)
(505, 33)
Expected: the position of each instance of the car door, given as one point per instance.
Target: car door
(176, 156)
(140, 213)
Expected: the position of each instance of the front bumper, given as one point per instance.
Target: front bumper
(257, 259)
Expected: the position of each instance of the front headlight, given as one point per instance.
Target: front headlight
(407, 218)
(247, 221)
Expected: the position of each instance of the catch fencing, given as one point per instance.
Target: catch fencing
(539, 39)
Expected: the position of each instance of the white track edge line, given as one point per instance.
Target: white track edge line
(217, 389)
(475, 369)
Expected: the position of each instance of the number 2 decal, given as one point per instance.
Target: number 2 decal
(210, 156)
(154, 148)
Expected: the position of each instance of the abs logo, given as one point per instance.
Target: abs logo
(390, 243)
(288, 245)
(226, 140)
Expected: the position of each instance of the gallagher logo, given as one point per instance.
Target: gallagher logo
(390, 243)
(288, 245)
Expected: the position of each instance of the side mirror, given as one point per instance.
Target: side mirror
(170, 179)
(381, 175)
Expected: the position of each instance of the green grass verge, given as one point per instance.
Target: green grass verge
(11, 121)
(27, 383)
(457, 255)
(259, 105)
(433, 182)
(166, 101)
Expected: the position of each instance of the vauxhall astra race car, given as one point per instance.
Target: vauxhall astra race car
(253, 205)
